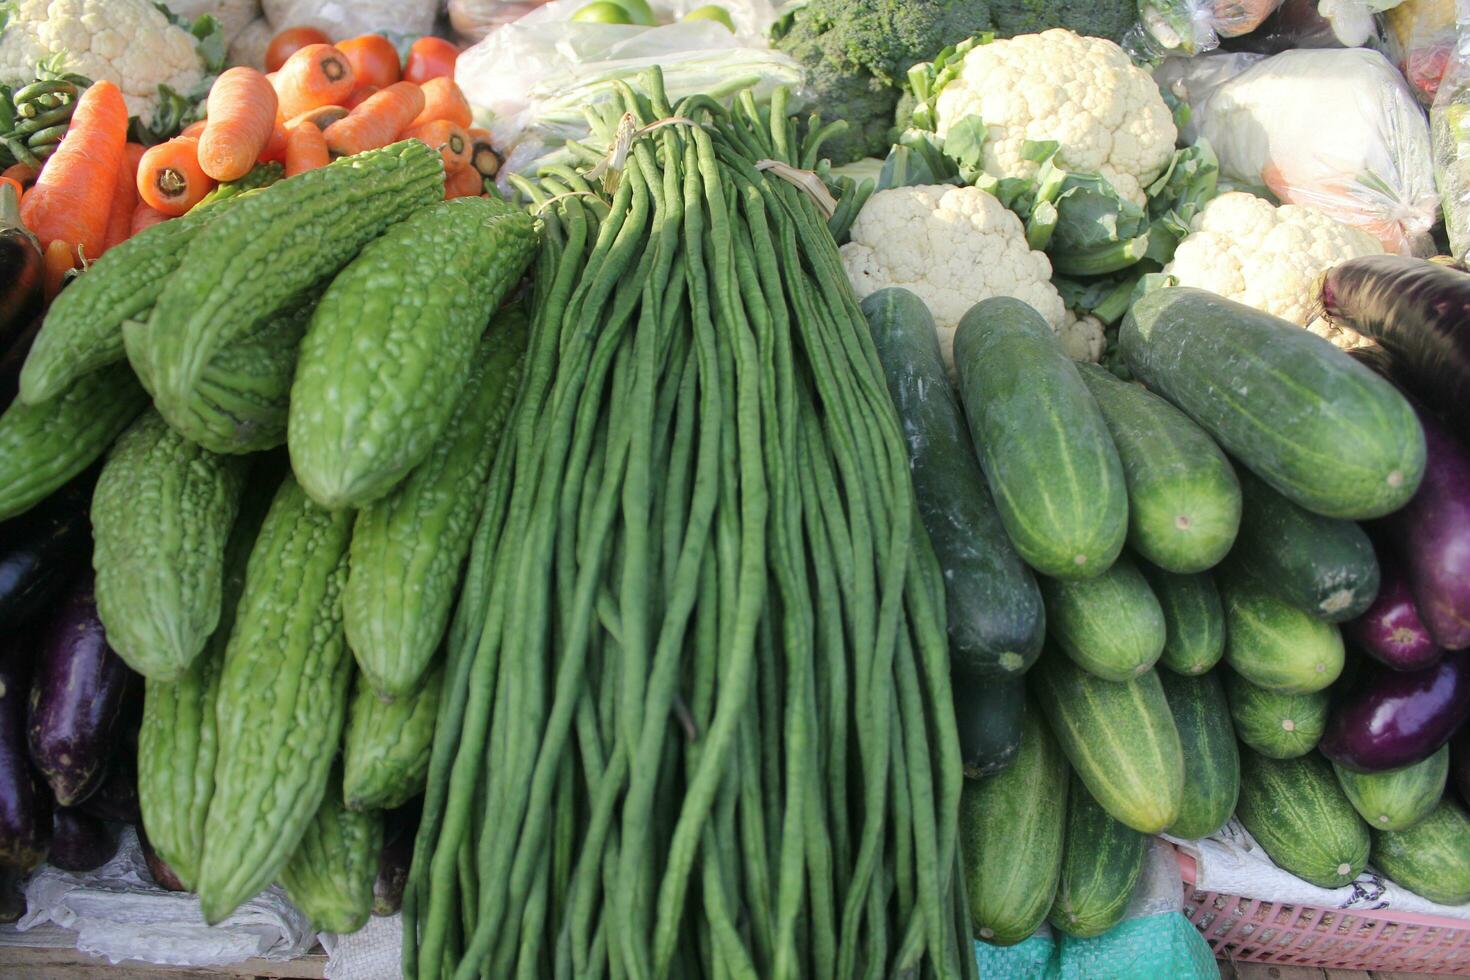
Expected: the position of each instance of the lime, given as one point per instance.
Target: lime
(602, 12)
(714, 12)
(639, 12)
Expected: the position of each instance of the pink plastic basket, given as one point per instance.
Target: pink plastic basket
(1303, 935)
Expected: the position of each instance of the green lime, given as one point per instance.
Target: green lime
(714, 12)
(602, 12)
(639, 12)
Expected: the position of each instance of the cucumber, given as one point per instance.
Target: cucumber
(1101, 864)
(988, 711)
(1431, 858)
(1211, 756)
(1041, 440)
(1295, 809)
(1011, 827)
(1276, 645)
(1323, 565)
(1302, 415)
(1277, 725)
(1194, 619)
(1111, 625)
(1119, 737)
(996, 622)
(1400, 798)
(1183, 496)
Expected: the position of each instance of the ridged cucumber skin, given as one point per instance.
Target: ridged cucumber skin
(282, 700)
(1119, 737)
(1011, 832)
(161, 517)
(178, 739)
(1296, 810)
(385, 753)
(1211, 755)
(1183, 495)
(271, 248)
(1274, 644)
(44, 446)
(1277, 725)
(378, 379)
(331, 873)
(1431, 858)
(1101, 864)
(996, 619)
(1322, 565)
(1194, 619)
(408, 549)
(1302, 415)
(1111, 624)
(1400, 798)
(1041, 440)
(988, 712)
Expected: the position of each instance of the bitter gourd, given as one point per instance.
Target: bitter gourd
(44, 446)
(385, 754)
(409, 547)
(381, 370)
(177, 740)
(330, 876)
(282, 699)
(83, 329)
(270, 248)
(161, 515)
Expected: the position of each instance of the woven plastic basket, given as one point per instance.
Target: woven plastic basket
(1257, 931)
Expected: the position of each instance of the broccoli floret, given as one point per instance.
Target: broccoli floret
(1099, 18)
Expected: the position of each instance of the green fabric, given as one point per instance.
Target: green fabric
(1029, 959)
(1154, 946)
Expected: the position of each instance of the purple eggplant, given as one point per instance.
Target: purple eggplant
(1388, 718)
(22, 270)
(163, 876)
(13, 359)
(43, 550)
(117, 798)
(25, 803)
(12, 896)
(1391, 631)
(77, 697)
(79, 841)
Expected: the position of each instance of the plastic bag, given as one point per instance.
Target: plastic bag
(473, 19)
(233, 15)
(1314, 24)
(1337, 129)
(1449, 119)
(1192, 27)
(250, 45)
(342, 19)
(1421, 35)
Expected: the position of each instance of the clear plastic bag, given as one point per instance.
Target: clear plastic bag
(473, 19)
(1421, 36)
(1191, 27)
(348, 18)
(1449, 119)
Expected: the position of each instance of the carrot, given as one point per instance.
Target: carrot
(23, 175)
(444, 100)
(145, 217)
(242, 116)
(361, 95)
(72, 197)
(125, 196)
(321, 117)
(194, 129)
(170, 178)
(450, 140)
(275, 147)
(61, 258)
(482, 155)
(466, 182)
(306, 149)
(378, 121)
(317, 75)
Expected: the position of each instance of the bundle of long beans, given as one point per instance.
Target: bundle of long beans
(698, 720)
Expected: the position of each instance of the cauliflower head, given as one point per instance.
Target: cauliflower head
(1248, 250)
(1106, 114)
(953, 247)
(127, 42)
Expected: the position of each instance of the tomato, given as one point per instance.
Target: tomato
(374, 60)
(430, 57)
(288, 42)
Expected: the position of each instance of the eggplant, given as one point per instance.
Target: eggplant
(1391, 631)
(12, 360)
(1389, 719)
(77, 699)
(1460, 763)
(163, 876)
(44, 549)
(79, 841)
(12, 896)
(25, 803)
(22, 271)
(117, 798)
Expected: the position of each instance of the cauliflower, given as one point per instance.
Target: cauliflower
(1248, 250)
(1084, 338)
(127, 42)
(1107, 115)
(953, 246)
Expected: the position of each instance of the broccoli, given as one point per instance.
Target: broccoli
(856, 52)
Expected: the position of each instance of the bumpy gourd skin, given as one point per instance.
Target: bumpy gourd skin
(271, 247)
(282, 698)
(161, 515)
(385, 753)
(409, 547)
(44, 446)
(382, 366)
(330, 876)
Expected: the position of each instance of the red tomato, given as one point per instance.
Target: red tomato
(430, 57)
(374, 60)
(288, 42)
